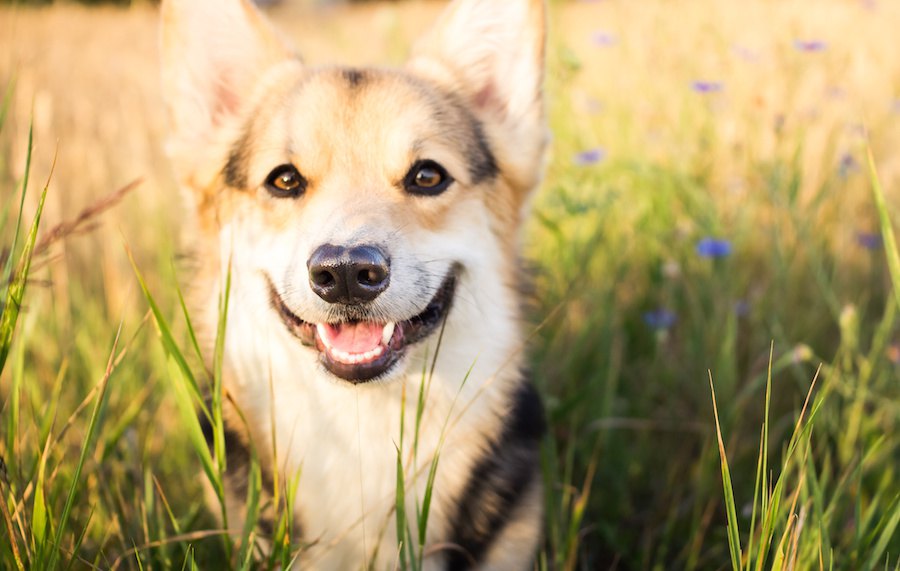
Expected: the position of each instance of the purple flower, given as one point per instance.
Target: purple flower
(707, 86)
(741, 307)
(810, 45)
(660, 319)
(603, 39)
(869, 241)
(848, 165)
(713, 248)
(589, 157)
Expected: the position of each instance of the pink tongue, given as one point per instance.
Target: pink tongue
(358, 337)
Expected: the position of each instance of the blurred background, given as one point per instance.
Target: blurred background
(708, 206)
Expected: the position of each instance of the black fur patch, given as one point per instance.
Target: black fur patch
(498, 481)
(482, 163)
(235, 170)
(354, 77)
(452, 112)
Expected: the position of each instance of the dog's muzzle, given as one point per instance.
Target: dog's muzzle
(358, 348)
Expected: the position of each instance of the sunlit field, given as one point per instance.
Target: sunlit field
(708, 222)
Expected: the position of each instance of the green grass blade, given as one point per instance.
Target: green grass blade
(218, 393)
(888, 529)
(85, 447)
(185, 390)
(12, 414)
(39, 519)
(254, 486)
(887, 230)
(187, 320)
(80, 539)
(426, 503)
(7, 271)
(186, 403)
(760, 486)
(400, 497)
(16, 291)
(170, 346)
(734, 541)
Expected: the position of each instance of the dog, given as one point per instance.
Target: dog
(364, 226)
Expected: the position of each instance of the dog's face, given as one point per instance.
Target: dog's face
(359, 203)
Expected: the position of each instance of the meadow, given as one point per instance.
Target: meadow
(709, 220)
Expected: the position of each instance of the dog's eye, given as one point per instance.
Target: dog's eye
(285, 182)
(427, 178)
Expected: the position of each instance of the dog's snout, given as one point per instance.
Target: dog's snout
(348, 275)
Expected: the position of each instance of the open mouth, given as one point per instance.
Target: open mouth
(361, 350)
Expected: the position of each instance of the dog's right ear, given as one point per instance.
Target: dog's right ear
(213, 54)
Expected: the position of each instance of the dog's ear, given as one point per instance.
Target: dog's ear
(492, 51)
(213, 53)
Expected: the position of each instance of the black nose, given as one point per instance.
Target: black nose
(348, 275)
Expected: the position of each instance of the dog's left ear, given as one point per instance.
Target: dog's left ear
(492, 51)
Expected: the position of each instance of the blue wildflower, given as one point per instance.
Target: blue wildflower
(713, 248)
(741, 307)
(603, 39)
(869, 241)
(589, 157)
(706, 86)
(810, 45)
(660, 319)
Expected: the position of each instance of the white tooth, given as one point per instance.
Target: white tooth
(322, 332)
(387, 333)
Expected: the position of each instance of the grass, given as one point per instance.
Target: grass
(767, 127)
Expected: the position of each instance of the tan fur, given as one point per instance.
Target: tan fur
(470, 99)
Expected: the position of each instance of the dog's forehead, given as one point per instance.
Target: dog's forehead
(387, 117)
(376, 121)
(364, 107)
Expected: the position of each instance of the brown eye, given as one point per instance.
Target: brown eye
(285, 181)
(427, 178)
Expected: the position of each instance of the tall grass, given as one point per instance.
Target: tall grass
(707, 215)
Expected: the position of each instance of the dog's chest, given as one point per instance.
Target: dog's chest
(345, 442)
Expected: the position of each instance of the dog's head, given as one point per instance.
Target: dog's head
(360, 203)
